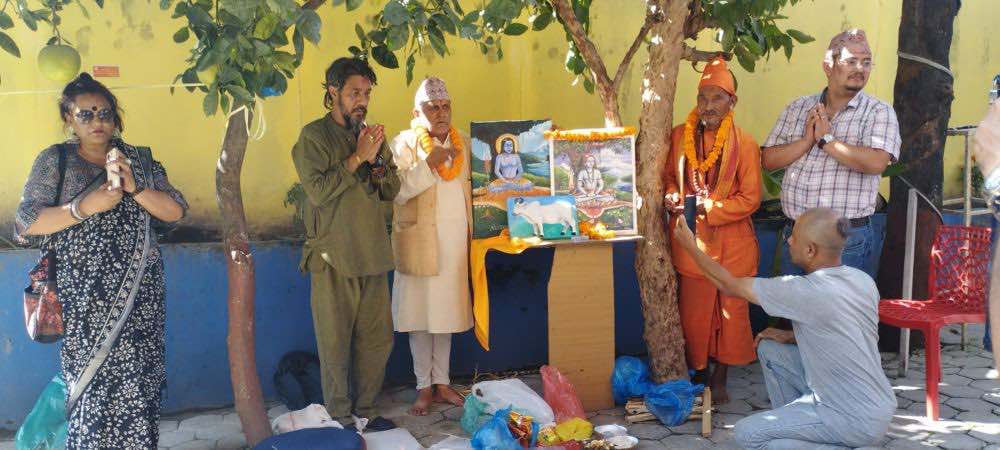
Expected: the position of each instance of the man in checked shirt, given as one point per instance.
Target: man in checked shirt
(834, 146)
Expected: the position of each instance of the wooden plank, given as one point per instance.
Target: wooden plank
(582, 320)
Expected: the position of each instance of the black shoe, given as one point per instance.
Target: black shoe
(380, 424)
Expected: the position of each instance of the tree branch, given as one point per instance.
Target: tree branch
(694, 55)
(587, 49)
(651, 19)
(696, 21)
(609, 96)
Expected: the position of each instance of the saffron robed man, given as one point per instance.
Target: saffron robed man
(715, 160)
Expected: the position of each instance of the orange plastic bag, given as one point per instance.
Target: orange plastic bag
(561, 395)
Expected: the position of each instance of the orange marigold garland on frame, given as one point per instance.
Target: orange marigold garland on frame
(446, 173)
(720, 140)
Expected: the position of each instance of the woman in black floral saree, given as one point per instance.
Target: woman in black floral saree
(109, 273)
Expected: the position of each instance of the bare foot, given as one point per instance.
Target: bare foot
(445, 394)
(424, 398)
(717, 382)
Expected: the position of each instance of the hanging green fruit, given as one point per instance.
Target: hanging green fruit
(59, 62)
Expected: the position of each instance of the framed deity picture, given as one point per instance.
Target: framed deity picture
(550, 218)
(509, 159)
(597, 167)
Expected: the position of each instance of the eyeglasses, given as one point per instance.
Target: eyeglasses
(85, 116)
(863, 64)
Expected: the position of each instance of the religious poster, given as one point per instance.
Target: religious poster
(597, 167)
(509, 159)
(549, 218)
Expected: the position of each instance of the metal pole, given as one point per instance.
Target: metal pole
(967, 213)
(911, 235)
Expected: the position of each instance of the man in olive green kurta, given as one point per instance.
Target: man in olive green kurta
(346, 171)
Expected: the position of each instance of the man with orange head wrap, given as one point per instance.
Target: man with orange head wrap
(719, 163)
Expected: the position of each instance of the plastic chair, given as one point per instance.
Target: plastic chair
(957, 291)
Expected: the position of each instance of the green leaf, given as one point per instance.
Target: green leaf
(242, 9)
(542, 20)
(515, 29)
(265, 26)
(395, 13)
(180, 10)
(189, 77)
(444, 23)
(360, 32)
(299, 43)
(181, 35)
(336, 2)
(310, 24)
(896, 168)
(29, 20)
(355, 51)
(100, 3)
(354, 4)
(588, 85)
(7, 43)
(6, 22)
(199, 17)
(287, 10)
(771, 183)
(240, 94)
(574, 63)
(786, 42)
(211, 102)
(458, 7)
(745, 58)
(224, 102)
(384, 57)
(800, 37)
(165, 4)
(397, 38)
(752, 45)
(410, 62)
(52, 40)
(437, 40)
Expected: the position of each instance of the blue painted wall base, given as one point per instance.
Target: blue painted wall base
(197, 365)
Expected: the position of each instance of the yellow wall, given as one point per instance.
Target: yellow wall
(529, 82)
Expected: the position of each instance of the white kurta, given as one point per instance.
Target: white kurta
(441, 303)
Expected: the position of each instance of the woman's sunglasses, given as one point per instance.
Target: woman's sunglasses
(85, 116)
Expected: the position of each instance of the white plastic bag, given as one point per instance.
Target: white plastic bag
(312, 416)
(395, 439)
(514, 393)
(453, 443)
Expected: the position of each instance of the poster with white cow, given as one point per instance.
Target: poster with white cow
(549, 218)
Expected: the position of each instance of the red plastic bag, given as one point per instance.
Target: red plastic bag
(561, 395)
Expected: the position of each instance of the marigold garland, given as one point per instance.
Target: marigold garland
(720, 140)
(590, 135)
(446, 173)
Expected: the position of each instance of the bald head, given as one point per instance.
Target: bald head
(824, 227)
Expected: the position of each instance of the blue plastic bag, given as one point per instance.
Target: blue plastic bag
(671, 402)
(314, 439)
(494, 434)
(630, 379)
(45, 426)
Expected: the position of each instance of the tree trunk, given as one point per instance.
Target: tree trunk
(240, 273)
(922, 98)
(657, 280)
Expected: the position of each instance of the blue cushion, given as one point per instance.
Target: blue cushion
(314, 439)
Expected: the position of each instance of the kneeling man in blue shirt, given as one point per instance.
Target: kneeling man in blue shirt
(825, 381)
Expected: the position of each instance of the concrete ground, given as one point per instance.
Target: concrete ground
(970, 410)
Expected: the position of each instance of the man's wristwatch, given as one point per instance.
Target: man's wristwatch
(825, 139)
